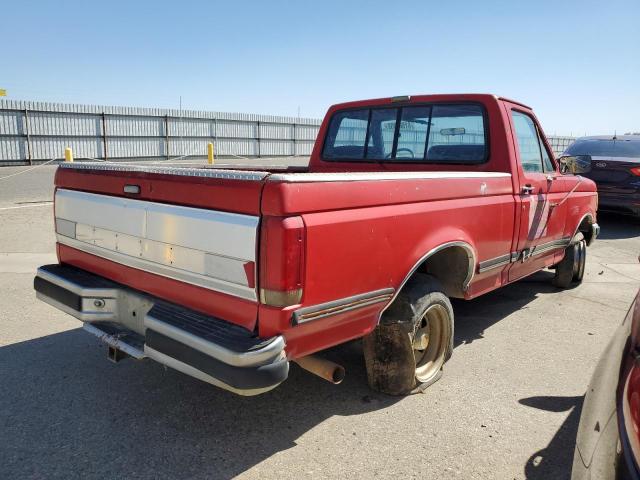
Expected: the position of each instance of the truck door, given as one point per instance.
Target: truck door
(541, 219)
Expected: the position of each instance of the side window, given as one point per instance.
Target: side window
(546, 160)
(346, 135)
(527, 141)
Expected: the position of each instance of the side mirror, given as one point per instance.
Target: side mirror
(575, 164)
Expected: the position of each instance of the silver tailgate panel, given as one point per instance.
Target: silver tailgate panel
(212, 249)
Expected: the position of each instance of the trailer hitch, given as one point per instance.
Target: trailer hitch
(115, 354)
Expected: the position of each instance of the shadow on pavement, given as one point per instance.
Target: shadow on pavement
(616, 226)
(556, 459)
(475, 316)
(65, 411)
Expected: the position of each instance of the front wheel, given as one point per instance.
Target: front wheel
(571, 268)
(409, 348)
(580, 261)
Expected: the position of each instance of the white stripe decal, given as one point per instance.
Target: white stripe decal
(356, 176)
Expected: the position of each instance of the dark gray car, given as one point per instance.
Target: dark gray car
(614, 164)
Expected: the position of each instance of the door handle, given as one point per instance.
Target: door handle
(527, 189)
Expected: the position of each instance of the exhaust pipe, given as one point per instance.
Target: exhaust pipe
(326, 369)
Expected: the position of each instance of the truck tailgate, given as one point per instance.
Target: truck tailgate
(188, 235)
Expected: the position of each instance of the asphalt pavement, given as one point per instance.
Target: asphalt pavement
(507, 406)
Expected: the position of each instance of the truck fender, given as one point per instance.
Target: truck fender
(584, 226)
(452, 290)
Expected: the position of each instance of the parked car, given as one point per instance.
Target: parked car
(228, 275)
(608, 442)
(614, 164)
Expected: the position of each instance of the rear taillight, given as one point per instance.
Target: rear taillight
(281, 261)
(636, 171)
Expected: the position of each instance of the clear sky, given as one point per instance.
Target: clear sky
(577, 63)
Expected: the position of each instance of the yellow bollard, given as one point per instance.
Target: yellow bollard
(210, 156)
(68, 155)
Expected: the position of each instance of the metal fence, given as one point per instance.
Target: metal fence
(560, 144)
(33, 132)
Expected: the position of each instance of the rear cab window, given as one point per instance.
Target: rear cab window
(437, 133)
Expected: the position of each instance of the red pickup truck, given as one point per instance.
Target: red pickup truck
(229, 275)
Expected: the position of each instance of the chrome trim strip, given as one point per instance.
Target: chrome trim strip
(165, 271)
(251, 175)
(191, 371)
(512, 257)
(244, 359)
(540, 249)
(357, 176)
(336, 307)
(114, 342)
(496, 262)
(549, 246)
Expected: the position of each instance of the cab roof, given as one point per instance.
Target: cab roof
(404, 99)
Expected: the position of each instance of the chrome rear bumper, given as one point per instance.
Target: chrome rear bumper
(205, 347)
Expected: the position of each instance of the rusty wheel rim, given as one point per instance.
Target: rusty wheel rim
(430, 342)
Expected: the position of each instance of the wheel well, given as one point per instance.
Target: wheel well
(453, 267)
(585, 228)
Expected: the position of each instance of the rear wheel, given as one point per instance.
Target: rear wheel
(409, 349)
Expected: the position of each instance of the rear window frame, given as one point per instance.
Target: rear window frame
(422, 161)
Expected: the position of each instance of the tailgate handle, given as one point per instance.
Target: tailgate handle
(132, 189)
